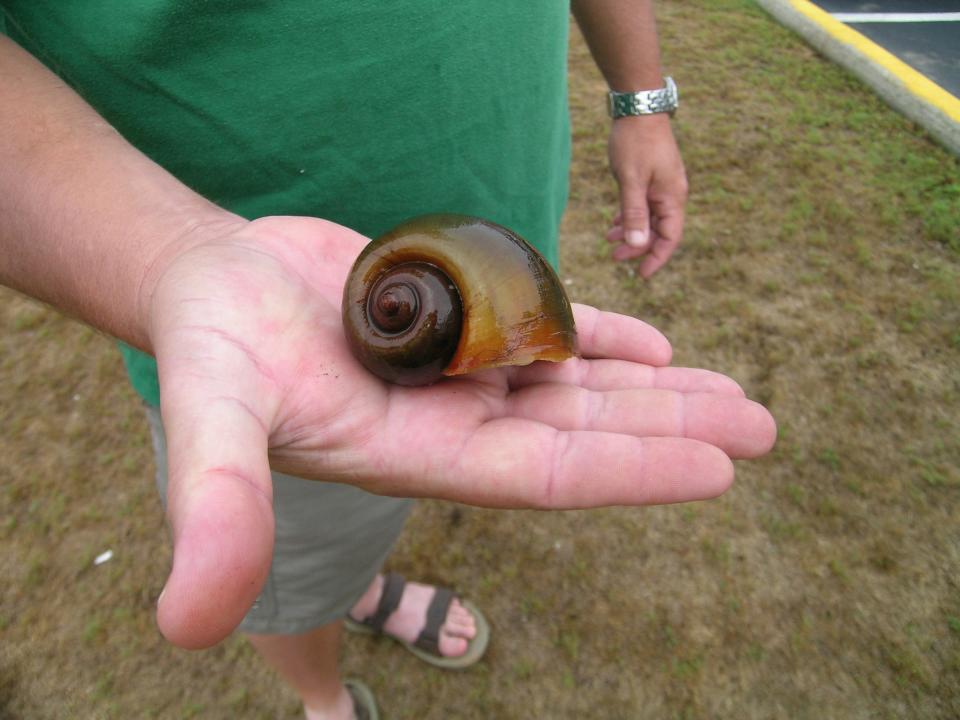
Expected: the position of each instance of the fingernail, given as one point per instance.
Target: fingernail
(636, 238)
(160, 597)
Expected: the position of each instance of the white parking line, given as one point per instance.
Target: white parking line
(897, 17)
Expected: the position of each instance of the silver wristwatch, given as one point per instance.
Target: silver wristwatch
(645, 102)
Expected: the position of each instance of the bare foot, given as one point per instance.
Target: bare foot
(406, 622)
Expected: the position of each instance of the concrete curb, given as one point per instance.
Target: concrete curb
(897, 83)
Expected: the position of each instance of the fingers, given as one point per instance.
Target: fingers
(666, 234)
(739, 427)
(634, 226)
(622, 375)
(219, 508)
(520, 463)
(622, 250)
(610, 335)
(561, 446)
(669, 232)
(222, 543)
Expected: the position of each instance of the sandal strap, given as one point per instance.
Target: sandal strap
(429, 638)
(393, 584)
(360, 710)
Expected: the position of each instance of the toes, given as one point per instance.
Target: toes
(452, 646)
(460, 621)
(459, 614)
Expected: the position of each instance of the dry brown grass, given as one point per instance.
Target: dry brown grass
(817, 271)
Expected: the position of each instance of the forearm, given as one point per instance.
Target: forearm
(622, 37)
(84, 216)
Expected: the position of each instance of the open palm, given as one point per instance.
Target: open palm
(255, 372)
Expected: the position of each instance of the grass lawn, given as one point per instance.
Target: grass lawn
(821, 269)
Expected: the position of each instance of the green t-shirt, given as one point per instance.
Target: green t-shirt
(362, 112)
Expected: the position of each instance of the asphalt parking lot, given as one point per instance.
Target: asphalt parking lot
(925, 34)
(908, 51)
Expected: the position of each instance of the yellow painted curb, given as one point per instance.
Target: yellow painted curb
(919, 85)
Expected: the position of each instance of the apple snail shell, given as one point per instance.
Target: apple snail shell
(451, 294)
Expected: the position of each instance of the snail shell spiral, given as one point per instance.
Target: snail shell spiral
(452, 294)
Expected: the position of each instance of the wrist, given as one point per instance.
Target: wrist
(195, 228)
(648, 131)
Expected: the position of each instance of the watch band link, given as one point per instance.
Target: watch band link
(645, 102)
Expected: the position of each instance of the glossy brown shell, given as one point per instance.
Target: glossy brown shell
(515, 310)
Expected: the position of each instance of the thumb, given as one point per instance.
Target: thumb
(635, 213)
(219, 505)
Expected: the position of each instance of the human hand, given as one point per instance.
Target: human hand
(254, 367)
(646, 163)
